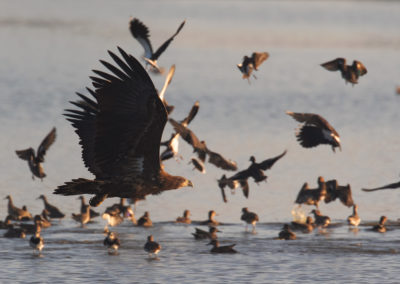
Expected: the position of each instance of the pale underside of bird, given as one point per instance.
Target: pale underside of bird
(315, 130)
(252, 63)
(124, 159)
(141, 33)
(255, 171)
(161, 94)
(350, 73)
(35, 160)
(172, 145)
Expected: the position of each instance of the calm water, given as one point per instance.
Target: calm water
(47, 51)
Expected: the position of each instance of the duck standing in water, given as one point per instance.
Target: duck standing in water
(354, 219)
(286, 233)
(221, 249)
(35, 162)
(152, 247)
(249, 218)
(145, 220)
(320, 220)
(112, 243)
(82, 218)
(185, 219)
(380, 228)
(210, 221)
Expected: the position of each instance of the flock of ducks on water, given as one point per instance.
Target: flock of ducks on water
(125, 110)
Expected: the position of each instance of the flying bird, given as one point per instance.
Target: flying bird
(255, 171)
(141, 33)
(35, 160)
(388, 186)
(120, 129)
(198, 165)
(334, 190)
(350, 73)
(54, 212)
(250, 63)
(173, 143)
(310, 196)
(201, 148)
(315, 131)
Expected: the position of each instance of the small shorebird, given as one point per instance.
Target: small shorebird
(145, 220)
(321, 220)
(82, 218)
(152, 247)
(380, 228)
(36, 241)
(221, 249)
(185, 219)
(54, 212)
(350, 73)
(286, 233)
(141, 33)
(250, 63)
(249, 218)
(35, 161)
(112, 242)
(354, 219)
(201, 234)
(316, 130)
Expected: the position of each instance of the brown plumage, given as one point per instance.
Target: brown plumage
(120, 130)
(83, 217)
(321, 220)
(201, 234)
(249, 218)
(255, 171)
(380, 228)
(316, 130)
(35, 161)
(252, 63)
(152, 247)
(306, 227)
(198, 165)
(388, 186)
(286, 233)
(201, 148)
(334, 190)
(145, 220)
(210, 221)
(173, 143)
(354, 219)
(161, 94)
(350, 73)
(185, 219)
(221, 249)
(17, 213)
(93, 213)
(53, 211)
(312, 196)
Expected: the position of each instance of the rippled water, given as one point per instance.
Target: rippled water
(48, 49)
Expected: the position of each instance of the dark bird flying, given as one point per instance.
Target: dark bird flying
(120, 128)
(252, 63)
(388, 186)
(141, 33)
(35, 161)
(350, 73)
(315, 130)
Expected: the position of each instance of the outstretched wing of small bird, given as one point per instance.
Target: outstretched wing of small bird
(345, 196)
(312, 119)
(164, 46)
(220, 162)
(333, 65)
(45, 145)
(258, 58)
(388, 186)
(191, 115)
(245, 187)
(25, 154)
(267, 164)
(141, 33)
(300, 197)
(168, 80)
(190, 138)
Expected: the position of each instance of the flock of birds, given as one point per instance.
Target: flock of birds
(120, 125)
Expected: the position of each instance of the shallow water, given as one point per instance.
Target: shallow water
(47, 54)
